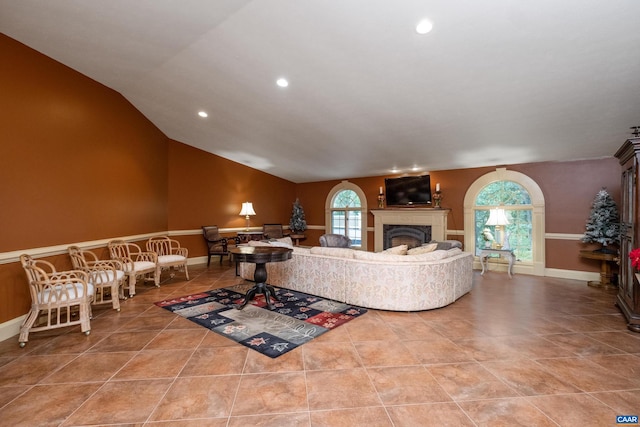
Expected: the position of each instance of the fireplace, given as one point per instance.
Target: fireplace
(411, 219)
(410, 235)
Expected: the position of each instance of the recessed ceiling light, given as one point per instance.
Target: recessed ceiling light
(282, 82)
(424, 26)
(203, 114)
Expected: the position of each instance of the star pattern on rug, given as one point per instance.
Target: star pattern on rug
(281, 346)
(257, 341)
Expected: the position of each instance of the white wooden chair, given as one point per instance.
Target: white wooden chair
(135, 263)
(107, 276)
(58, 298)
(170, 255)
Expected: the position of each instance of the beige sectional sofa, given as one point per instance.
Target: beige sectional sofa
(381, 280)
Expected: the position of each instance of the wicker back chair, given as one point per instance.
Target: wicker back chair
(170, 255)
(135, 263)
(58, 298)
(107, 276)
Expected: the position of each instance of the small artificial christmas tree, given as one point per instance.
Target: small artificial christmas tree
(297, 224)
(603, 225)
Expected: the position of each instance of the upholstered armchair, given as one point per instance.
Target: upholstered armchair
(273, 231)
(106, 276)
(216, 244)
(135, 262)
(335, 241)
(170, 255)
(58, 298)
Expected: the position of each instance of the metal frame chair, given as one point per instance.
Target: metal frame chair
(216, 244)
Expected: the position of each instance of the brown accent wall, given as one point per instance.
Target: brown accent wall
(568, 187)
(205, 189)
(80, 163)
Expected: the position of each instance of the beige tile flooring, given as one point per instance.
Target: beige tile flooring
(528, 351)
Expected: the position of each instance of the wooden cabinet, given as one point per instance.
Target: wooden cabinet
(628, 299)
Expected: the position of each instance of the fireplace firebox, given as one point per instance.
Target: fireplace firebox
(414, 218)
(410, 235)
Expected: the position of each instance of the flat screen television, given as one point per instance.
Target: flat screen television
(408, 191)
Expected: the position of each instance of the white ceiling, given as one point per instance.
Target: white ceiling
(496, 82)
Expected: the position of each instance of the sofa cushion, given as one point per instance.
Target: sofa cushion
(284, 242)
(454, 251)
(336, 252)
(301, 250)
(430, 256)
(447, 244)
(258, 243)
(397, 250)
(429, 247)
(383, 257)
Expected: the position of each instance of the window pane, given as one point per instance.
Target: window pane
(503, 193)
(518, 233)
(346, 218)
(481, 217)
(338, 222)
(354, 232)
(346, 199)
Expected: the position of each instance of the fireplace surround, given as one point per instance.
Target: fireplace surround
(414, 219)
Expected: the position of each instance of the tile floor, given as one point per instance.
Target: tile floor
(528, 351)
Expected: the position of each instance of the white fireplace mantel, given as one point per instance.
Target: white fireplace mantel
(436, 218)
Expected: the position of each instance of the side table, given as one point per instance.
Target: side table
(260, 256)
(605, 268)
(507, 253)
(297, 238)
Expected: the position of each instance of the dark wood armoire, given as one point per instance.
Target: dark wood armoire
(628, 299)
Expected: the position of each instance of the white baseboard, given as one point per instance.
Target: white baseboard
(586, 276)
(11, 328)
(198, 260)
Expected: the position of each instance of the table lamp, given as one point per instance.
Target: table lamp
(247, 210)
(498, 218)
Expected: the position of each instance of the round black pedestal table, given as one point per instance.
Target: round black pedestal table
(260, 256)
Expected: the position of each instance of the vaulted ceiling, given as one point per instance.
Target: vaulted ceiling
(495, 82)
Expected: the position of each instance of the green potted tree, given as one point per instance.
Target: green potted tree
(297, 223)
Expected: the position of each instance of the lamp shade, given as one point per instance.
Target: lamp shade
(247, 209)
(497, 217)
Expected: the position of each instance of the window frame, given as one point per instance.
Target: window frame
(537, 266)
(346, 185)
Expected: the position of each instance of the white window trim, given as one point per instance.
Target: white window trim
(537, 268)
(346, 185)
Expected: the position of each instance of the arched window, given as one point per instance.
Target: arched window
(522, 202)
(510, 202)
(346, 209)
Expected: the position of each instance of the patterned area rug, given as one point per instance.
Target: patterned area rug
(297, 318)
